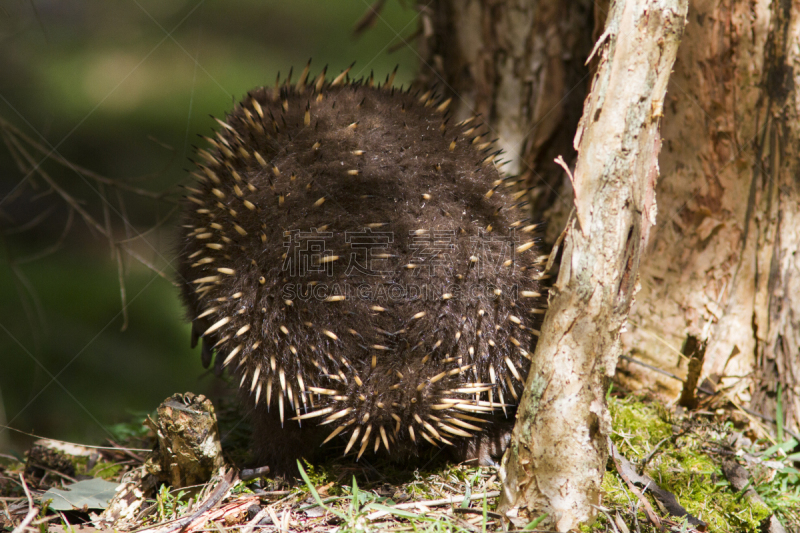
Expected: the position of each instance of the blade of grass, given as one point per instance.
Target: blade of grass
(535, 523)
(313, 490)
(356, 498)
(785, 446)
(467, 495)
(485, 513)
(779, 413)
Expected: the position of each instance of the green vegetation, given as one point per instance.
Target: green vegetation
(357, 510)
(683, 464)
(168, 505)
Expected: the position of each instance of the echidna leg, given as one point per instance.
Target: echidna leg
(280, 446)
(487, 448)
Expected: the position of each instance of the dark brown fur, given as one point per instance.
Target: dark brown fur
(342, 157)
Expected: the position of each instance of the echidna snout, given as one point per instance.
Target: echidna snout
(356, 259)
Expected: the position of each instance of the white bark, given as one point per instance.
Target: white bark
(557, 457)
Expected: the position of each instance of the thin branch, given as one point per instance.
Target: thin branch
(35, 221)
(22, 284)
(149, 265)
(225, 483)
(22, 149)
(32, 510)
(152, 228)
(90, 221)
(433, 503)
(9, 128)
(101, 190)
(121, 274)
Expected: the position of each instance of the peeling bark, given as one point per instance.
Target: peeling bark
(555, 463)
(729, 229)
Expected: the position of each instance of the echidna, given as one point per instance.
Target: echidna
(357, 260)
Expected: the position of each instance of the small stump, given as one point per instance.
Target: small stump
(189, 451)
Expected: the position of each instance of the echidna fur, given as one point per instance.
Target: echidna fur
(389, 368)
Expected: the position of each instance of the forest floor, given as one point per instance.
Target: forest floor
(670, 470)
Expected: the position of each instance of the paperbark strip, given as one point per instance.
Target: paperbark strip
(558, 452)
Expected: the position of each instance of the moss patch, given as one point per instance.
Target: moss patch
(677, 459)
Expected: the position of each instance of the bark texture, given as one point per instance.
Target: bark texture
(729, 231)
(722, 264)
(520, 64)
(776, 180)
(555, 463)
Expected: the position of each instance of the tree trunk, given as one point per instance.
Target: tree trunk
(555, 463)
(722, 263)
(729, 229)
(495, 53)
(521, 65)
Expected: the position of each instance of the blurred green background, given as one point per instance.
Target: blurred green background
(123, 88)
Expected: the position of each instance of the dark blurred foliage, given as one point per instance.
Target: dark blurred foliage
(100, 99)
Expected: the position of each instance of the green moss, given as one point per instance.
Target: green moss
(700, 486)
(243, 487)
(102, 469)
(680, 466)
(132, 428)
(615, 493)
(637, 426)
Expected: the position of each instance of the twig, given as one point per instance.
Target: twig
(469, 510)
(54, 472)
(275, 521)
(641, 466)
(431, 503)
(32, 511)
(22, 284)
(407, 41)
(142, 234)
(71, 201)
(35, 221)
(651, 367)
(13, 138)
(55, 156)
(54, 247)
(116, 251)
(648, 509)
(369, 18)
(149, 265)
(127, 451)
(749, 414)
(113, 448)
(551, 260)
(213, 499)
(608, 517)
